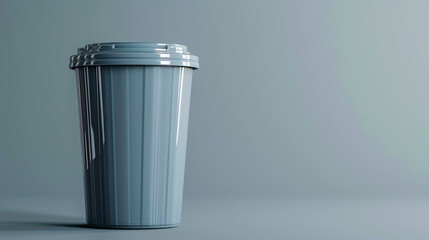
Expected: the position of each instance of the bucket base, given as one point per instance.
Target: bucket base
(133, 226)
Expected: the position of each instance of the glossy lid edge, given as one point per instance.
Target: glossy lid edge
(133, 53)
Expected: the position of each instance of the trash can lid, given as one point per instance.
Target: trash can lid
(133, 53)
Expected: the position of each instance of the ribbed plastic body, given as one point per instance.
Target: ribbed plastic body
(134, 123)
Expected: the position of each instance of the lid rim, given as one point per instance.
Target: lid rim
(133, 53)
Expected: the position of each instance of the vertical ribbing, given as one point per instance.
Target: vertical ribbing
(179, 103)
(89, 144)
(157, 148)
(142, 146)
(122, 142)
(135, 97)
(168, 147)
(84, 142)
(101, 143)
(108, 144)
(128, 116)
(134, 139)
(98, 160)
(114, 146)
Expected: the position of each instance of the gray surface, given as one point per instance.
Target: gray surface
(236, 218)
(292, 98)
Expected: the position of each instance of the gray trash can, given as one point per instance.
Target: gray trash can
(134, 106)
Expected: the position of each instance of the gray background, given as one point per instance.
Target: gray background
(293, 98)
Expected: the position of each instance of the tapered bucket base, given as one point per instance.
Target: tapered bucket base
(134, 226)
(134, 122)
